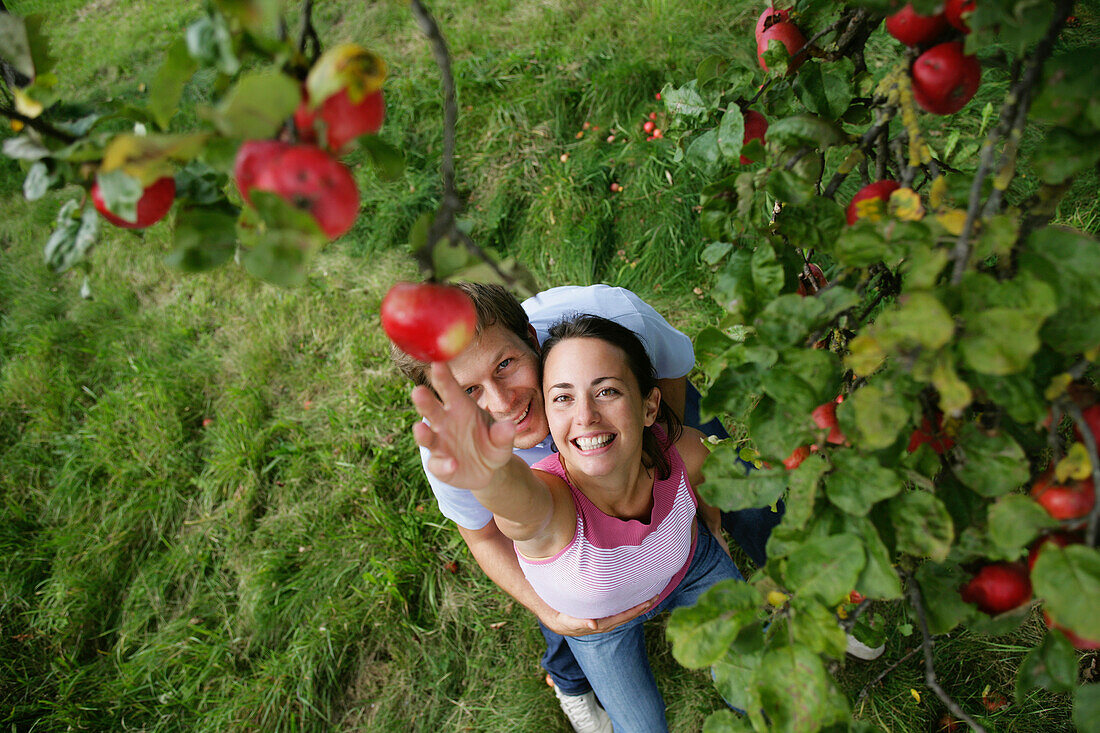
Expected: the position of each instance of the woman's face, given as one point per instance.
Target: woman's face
(594, 406)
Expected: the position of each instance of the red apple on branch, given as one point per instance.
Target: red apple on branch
(154, 203)
(998, 587)
(1078, 641)
(931, 434)
(304, 176)
(914, 29)
(791, 38)
(1064, 501)
(956, 13)
(770, 17)
(341, 119)
(1061, 539)
(756, 125)
(878, 191)
(824, 417)
(810, 284)
(945, 78)
(794, 460)
(428, 321)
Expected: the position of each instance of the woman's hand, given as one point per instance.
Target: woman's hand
(567, 625)
(467, 446)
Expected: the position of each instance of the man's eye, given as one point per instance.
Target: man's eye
(470, 390)
(504, 364)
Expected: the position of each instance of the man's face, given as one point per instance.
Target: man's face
(501, 372)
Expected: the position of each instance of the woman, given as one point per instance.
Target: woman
(610, 520)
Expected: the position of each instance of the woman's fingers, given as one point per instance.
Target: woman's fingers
(445, 385)
(427, 404)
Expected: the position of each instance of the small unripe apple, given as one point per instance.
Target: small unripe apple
(998, 587)
(1064, 501)
(154, 203)
(769, 17)
(957, 11)
(880, 190)
(791, 38)
(756, 125)
(914, 29)
(305, 177)
(945, 78)
(805, 287)
(428, 321)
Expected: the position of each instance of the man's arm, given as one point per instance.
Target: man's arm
(495, 554)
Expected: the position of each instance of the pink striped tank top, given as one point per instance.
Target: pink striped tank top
(613, 564)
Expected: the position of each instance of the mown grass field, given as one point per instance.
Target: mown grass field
(212, 515)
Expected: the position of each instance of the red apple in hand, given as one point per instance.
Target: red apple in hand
(998, 587)
(304, 176)
(154, 203)
(957, 11)
(428, 321)
(756, 125)
(945, 78)
(914, 29)
(879, 190)
(1064, 501)
(791, 38)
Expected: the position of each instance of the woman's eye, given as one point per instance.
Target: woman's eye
(560, 398)
(608, 392)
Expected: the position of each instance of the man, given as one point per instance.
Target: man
(500, 371)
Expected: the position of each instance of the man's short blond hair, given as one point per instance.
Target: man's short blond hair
(495, 305)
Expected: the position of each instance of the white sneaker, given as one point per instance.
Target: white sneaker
(859, 650)
(584, 713)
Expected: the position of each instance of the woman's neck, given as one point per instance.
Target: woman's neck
(626, 494)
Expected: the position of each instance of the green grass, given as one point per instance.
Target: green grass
(283, 566)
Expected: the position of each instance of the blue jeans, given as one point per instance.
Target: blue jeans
(616, 662)
(749, 528)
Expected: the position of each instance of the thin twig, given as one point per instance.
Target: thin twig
(867, 687)
(38, 124)
(308, 35)
(866, 140)
(929, 664)
(444, 224)
(1018, 97)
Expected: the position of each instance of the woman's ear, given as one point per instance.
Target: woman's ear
(651, 406)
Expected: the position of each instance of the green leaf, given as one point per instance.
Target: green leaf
(703, 152)
(710, 69)
(1086, 707)
(1067, 261)
(734, 676)
(726, 721)
(15, 48)
(715, 251)
(815, 626)
(388, 160)
(923, 265)
(939, 586)
(778, 431)
(730, 487)
(278, 240)
(204, 238)
(803, 379)
(167, 86)
(787, 187)
(815, 224)
(1002, 340)
(1015, 393)
(210, 42)
(991, 465)
(805, 130)
(788, 319)
(919, 319)
(1069, 90)
(797, 707)
(38, 181)
(874, 415)
(1052, 665)
(922, 525)
(858, 482)
(731, 134)
(1063, 154)
(257, 105)
(878, 579)
(1068, 581)
(802, 483)
(826, 89)
(685, 101)
(25, 147)
(73, 238)
(826, 567)
(120, 193)
(1015, 520)
(701, 634)
(859, 245)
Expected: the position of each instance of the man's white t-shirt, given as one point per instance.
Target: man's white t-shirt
(670, 351)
